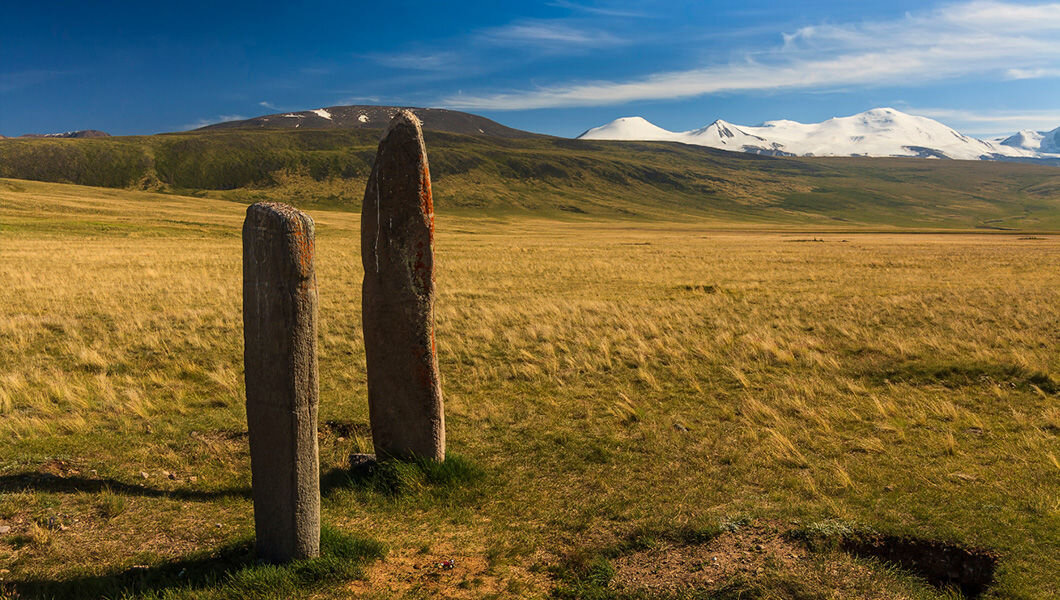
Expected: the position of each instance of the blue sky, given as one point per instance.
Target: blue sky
(558, 66)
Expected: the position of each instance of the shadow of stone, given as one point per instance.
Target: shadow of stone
(195, 572)
(230, 571)
(44, 482)
(337, 428)
(358, 476)
(395, 477)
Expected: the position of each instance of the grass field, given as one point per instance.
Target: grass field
(626, 402)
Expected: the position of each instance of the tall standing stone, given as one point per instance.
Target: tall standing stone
(397, 250)
(280, 363)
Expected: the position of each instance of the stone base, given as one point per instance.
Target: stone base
(362, 463)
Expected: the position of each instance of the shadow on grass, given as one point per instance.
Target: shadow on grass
(397, 478)
(388, 478)
(228, 572)
(43, 482)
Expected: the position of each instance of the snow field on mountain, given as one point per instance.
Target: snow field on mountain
(877, 132)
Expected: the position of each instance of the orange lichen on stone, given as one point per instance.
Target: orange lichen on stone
(426, 198)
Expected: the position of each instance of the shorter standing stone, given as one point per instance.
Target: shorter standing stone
(280, 363)
(397, 300)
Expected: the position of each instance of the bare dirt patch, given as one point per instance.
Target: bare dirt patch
(444, 573)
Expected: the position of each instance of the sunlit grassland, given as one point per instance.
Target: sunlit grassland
(607, 377)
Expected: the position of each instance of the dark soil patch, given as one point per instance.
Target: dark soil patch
(944, 565)
(959, 374)
(706, 289)
(572, 209)
(344, 429)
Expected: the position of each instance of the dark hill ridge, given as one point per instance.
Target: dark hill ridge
(376, 117)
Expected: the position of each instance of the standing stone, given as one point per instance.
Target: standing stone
(397, 250)
(280, 363)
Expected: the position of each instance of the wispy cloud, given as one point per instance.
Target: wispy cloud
(606, 11)
(548, 34)
(998, 120)
(360, 100)
(522, 40)
(17, 80)
(419, 61)
(268, 105)
(208, 121)
(1032, 73)
(1001, 38)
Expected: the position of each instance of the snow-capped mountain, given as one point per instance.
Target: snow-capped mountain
(1038, 141)
(877, 132)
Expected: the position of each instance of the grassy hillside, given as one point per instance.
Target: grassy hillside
(686, 428)
(551, 177)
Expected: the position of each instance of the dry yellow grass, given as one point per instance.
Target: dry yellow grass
(607, 376)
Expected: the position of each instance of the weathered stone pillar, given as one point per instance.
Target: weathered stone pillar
(280, 363)
(397, 250)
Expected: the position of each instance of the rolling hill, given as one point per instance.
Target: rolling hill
(375, 117)
(544, 176)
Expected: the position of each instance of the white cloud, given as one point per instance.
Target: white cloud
(601, 10)
(1032, 73)
(1002, 39)
(268, 105)
(18, 80)
(544, 34)
(998, 120)
(207, 121)
(419, 61)
(1004, 17)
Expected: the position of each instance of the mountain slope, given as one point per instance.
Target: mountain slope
(375, 117)
(877, 132)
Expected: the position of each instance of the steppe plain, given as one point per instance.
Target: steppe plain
(636, 408)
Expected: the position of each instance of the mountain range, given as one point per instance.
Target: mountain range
(877, 132)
